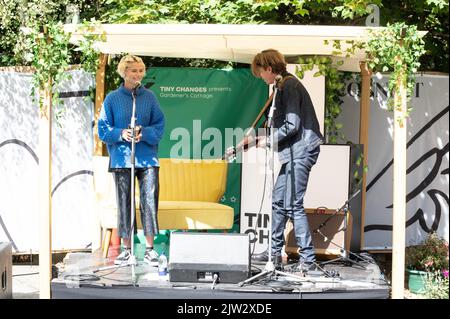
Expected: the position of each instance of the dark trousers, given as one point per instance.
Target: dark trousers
(148, 180)
(287, 202)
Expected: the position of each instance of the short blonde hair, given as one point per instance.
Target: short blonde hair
(266, 58)
(126, 61)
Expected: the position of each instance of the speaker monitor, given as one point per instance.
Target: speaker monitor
(331, 238)
(5, 271)
(198, 257)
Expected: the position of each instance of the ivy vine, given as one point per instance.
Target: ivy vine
(334, 91)
(49, 50)
(89, 51)
(398, 49)
(334, 88)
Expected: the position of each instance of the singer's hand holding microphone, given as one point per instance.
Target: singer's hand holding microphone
(127, 134)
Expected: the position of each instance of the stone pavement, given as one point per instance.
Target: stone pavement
(25, 282)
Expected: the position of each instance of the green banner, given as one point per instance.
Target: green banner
(202, 107)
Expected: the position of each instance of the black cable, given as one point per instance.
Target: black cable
(122, 263)
(94, 277)
(104, 276)
(262, 202)
(256, 267)
(352, 253)
(348, 251)
(118, 280)
(276, 285)
(266, 168)
(82, 277)
(27, 274)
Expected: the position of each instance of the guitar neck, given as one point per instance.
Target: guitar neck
(244, 147)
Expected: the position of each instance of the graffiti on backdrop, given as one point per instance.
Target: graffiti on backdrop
(257, 227)
(427, 160)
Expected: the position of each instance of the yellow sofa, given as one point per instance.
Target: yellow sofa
(189, 194)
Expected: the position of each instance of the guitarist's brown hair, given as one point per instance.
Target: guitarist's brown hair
(266, 58)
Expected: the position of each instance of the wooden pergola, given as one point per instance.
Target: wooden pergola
(235, 43)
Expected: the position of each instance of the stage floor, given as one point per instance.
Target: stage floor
(80, 278)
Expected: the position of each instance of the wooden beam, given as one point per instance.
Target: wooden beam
(99, 146)
(45, 191)
(105, 243)
(399, 189)
(17, 69)
(45, 184)
(366, 76)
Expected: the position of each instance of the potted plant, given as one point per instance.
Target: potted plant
(430, 256)
(436, 285)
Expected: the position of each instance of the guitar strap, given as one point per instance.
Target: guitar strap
(263, 110)
(268, 102)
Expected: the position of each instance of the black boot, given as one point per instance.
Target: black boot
(278, 262)
(260, 258)
(305, 267)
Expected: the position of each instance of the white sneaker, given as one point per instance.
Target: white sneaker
(151, 257)
(123, 258)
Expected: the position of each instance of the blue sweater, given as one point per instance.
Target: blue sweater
(116, 116)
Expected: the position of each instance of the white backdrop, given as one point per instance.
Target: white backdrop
(427, 160)
(72, 197)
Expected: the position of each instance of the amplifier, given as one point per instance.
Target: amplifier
(201, 257)
(328, 239)
(5, 270)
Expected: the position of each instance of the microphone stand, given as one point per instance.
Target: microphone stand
(269, 269)
(132, 261)
(344, 252)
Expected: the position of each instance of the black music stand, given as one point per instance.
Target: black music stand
(343, 258)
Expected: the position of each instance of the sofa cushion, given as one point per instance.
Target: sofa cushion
(194, 215)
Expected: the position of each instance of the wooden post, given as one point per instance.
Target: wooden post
(366, 76)
(45, 191)
(99, 146)
(399, 189)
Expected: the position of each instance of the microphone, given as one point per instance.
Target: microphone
(273, 106)
(278, 79)
(138, 85)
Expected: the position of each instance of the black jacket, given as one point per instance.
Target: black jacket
(296, 129)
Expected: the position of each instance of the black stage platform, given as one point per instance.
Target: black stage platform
(79, 279)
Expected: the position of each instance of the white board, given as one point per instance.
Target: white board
(328, 186)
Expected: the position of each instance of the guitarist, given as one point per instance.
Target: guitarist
(297, 139)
